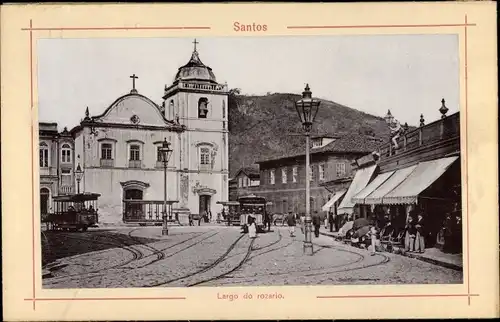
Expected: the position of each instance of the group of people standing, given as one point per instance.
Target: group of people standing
(292, 219)
(412, 235)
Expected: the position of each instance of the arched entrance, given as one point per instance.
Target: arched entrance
(205, 199)
(133, 194)
(44, 200)
(133, 210)
(205, 204)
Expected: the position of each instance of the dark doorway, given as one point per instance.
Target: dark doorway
(133, 211)
(44, 201)
(204, 204)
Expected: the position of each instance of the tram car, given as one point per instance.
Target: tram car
(232, 212)
(74, 212)
(254, 206)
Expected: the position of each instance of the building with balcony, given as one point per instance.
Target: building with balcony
(282, 178)
(421, 174)
(56, 164)
(120, 156)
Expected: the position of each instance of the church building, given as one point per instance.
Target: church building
(118, 150)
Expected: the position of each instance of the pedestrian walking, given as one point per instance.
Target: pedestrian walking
(316, 223)
(190, 217)
(210, 215)
(291, 224)
(269, 220)
(223, 214)
(410, 235)
(330, 221)
(252, 227)
(373, 235)
(420, 235)
(303, 223)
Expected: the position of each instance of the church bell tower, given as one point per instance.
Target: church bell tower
(196, 100)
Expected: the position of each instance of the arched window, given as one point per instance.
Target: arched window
(44, 155)
(66, 153)
(171, 111)
(44, 200)
(203, 108)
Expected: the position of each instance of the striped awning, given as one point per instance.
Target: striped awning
(420, 179)
(375, 198)
(361, 179)
(333, 200)
(372, 186)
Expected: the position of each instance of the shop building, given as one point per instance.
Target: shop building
(422, 175)
(282, 179)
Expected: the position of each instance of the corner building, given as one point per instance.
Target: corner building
(118, 150)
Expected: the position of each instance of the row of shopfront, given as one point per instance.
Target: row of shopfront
(393, 189)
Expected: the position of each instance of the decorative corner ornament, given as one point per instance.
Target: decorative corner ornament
(135, 119)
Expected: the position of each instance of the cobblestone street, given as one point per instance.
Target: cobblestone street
(218, 255)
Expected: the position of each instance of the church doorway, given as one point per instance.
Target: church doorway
(133, 210)
(44, 201)
(204, 204)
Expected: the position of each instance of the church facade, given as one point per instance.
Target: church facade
(118, 149)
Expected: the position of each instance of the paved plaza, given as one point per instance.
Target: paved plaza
(221, 256)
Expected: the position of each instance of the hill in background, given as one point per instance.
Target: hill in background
(263, 126)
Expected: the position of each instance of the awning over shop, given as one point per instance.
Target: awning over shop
(420, 179)
(372, 186)
(333, 200)
(361, 179)
(392, 182)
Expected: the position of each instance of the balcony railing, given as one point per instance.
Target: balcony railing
(207, 87)
(108, 163)
(146, 211)
(64, 190)
(442, 129)
(48, 171)
(135, 164)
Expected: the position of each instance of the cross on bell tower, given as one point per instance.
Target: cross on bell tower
(195, 43)
(134, 77)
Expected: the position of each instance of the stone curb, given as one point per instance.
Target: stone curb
(420, 257)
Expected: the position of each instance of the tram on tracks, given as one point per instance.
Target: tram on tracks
(256, 207)
(73, 212)
(231, 212)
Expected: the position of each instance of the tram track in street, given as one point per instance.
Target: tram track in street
(136, 254)
(204, 269)
(326, 270)
(238, 266)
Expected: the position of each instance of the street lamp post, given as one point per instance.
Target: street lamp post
(79, 176)
(307, 108)
(165, 152)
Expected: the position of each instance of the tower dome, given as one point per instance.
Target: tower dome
(195, 70)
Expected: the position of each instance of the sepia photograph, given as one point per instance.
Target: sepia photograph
(312, 160)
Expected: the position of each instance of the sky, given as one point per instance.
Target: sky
(408, 74)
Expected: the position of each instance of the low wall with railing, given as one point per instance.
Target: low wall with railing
(146, 211)
(436, 139)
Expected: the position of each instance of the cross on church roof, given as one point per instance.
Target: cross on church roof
(134, 77)
(195, 42)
